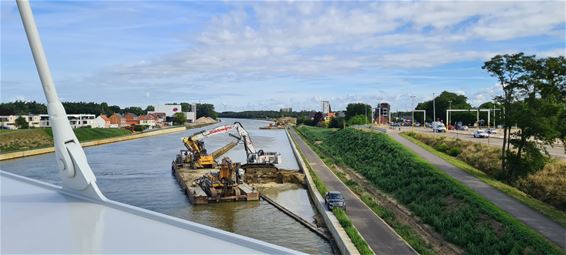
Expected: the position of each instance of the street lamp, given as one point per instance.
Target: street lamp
(433, 113)
(412, 115)
(449, 113)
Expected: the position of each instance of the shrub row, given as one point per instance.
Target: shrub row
(461, 216)
(547, 185)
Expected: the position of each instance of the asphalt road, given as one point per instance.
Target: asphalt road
(525, 214)
(555, 151)
(379, 236)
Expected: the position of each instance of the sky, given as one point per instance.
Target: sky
(268, 55)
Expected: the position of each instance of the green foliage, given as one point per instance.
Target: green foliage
(135, 110)
(180, 118)
(149, 108)
(140, 128)
(317, 118)
(355, 109)
(206, 110)
(534, 98)
(442, 103)
(337, 122)
(460, 215)
(21, 122)
(358, 120)
(22, 108)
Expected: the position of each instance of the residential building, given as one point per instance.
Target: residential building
(102, 121)
(148, 120)
(42, 120)
(286, 109)
(131, 119)
(117, 121)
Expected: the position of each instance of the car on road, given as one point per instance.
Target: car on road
(334, 199)
(438, 127)
(481, 134)
(491, 131)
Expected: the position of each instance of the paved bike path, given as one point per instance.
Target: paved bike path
(379, 236)
(547, 227)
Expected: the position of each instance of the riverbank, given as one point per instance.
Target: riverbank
(124, 137)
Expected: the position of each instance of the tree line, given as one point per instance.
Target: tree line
(534, 100)
(32, 107)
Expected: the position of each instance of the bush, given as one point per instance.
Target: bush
(358, 120)
(460, 215)
(548, 184)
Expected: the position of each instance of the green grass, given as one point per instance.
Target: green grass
(36, 138)
(352, 232)
(358, 241)
(548, 210)
(405, 231)
(457, 213)
(90, 134)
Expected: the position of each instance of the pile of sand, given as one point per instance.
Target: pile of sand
(205, 120)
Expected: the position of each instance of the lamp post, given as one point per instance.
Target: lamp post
(412, 115)
(449, 113)
(433, 113)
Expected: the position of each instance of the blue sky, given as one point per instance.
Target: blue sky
(268, 55)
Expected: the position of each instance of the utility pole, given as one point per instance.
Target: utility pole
(433, 113)
(449, 113)
(412, 115)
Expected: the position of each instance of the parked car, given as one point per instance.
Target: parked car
(464, 127)
(334, 199)
(481, 134)
(491, 131)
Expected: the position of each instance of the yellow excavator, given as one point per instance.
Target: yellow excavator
(197, 156)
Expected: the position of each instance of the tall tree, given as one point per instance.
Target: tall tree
(510, 71)
(354, 109)
(134, 109)
(442, 103)
(21, 122)
(206, 110)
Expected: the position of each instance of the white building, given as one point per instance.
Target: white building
(42, 120)
(168, 109)
(171, 109)
(101, 121)
(325, 107)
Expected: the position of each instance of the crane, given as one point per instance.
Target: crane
(199, 158)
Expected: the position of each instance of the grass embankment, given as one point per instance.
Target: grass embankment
(458, 214)
(341, 216)
(404, 230)
(35, 138)
(548, 184)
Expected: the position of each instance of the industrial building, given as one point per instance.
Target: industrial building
(382, 113)
(171, 109)
(326, 107)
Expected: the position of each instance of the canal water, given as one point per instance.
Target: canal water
(138, 172)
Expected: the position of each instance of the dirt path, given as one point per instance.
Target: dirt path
(379, 236)
(525, 214)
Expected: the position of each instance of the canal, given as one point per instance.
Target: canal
(138, 172)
